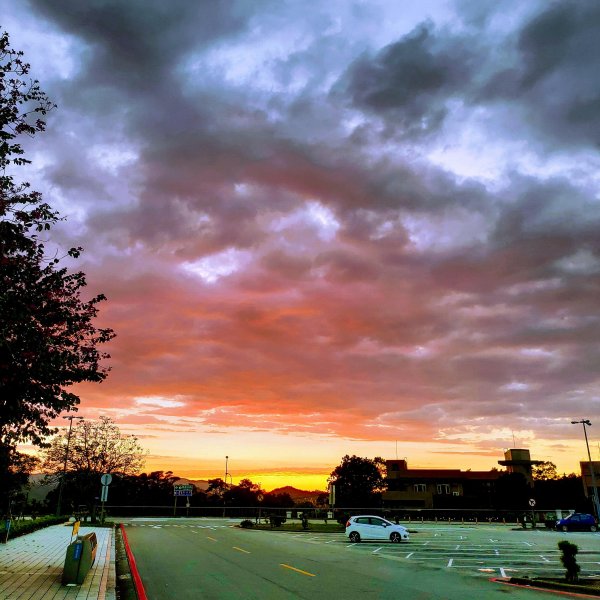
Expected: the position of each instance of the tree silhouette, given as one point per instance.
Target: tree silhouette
(95, 448)
(359, 481)
(47, 338)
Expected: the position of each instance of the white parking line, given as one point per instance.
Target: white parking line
(544, 558)
(450, 562)
(409, 555)
(378, 549)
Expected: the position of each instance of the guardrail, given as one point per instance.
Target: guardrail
(470, 515)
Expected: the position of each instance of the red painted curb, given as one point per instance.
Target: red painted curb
(543, 589)
(137, 580)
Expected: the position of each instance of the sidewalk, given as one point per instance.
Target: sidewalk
(31, 566)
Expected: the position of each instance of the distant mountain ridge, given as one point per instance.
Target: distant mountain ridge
(298, 495)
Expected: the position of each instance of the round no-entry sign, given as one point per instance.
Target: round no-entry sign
(531, 502)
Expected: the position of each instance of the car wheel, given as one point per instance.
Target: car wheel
(565, 528)
(593, 528)
(395, 537)
(355, 537)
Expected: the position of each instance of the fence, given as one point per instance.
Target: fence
(341, 514)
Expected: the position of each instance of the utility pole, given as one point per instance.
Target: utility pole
(595, 500)
(225, 486)
(62, 479)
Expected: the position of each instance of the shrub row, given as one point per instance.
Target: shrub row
(18, 528)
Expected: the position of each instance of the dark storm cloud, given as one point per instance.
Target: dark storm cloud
(555, 74)
(541, 78)
(136, 44)
(411, 80)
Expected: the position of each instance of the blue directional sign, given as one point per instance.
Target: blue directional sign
(183, 489)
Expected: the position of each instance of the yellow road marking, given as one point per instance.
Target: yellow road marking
(241, 549)
(209, 538)
(298, 570)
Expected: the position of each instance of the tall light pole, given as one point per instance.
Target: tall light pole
(595, 500)
(225, 487)
(62, 479)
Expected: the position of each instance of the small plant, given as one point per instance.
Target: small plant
(247, 524)
(304, 521)
(569, 551)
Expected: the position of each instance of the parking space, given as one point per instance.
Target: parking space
(483, 550)
(490, 551)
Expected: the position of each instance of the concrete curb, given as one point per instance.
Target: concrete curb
(581, 591)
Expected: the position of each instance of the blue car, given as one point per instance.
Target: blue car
(578, 522)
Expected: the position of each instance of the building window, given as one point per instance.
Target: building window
(443, 488)
(420, 487)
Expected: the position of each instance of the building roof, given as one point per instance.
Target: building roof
(443, 474)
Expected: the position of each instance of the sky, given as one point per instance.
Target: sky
(342, 227)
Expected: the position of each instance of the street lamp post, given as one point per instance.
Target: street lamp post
(595, 500)
(62, 479)
(225, 486)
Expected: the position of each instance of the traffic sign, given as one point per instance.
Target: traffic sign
(183, 489)
(106, 479)
(532, 502)
(104, 495)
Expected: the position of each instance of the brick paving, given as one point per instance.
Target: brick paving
(31, 566)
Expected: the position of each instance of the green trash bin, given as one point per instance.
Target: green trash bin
(80, 557)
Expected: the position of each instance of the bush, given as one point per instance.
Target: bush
(18, 528)
(277, 520)
(569, 551)
(247, 524)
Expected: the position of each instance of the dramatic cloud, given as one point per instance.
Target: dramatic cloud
(367, 224)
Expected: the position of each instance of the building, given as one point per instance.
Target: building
(438, 488)
(518, 460)
(586, 477)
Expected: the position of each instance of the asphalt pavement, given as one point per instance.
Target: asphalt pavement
(211, 559)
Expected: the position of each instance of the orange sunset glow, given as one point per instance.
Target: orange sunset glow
(364, 230)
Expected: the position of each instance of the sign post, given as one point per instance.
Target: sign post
(7, 523)
(182, 489)
(532, 504)
(105, 481)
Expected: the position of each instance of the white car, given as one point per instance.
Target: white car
(371, 527)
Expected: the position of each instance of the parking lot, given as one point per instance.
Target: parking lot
(486, 550)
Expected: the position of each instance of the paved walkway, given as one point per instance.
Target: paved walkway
(31, 566)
